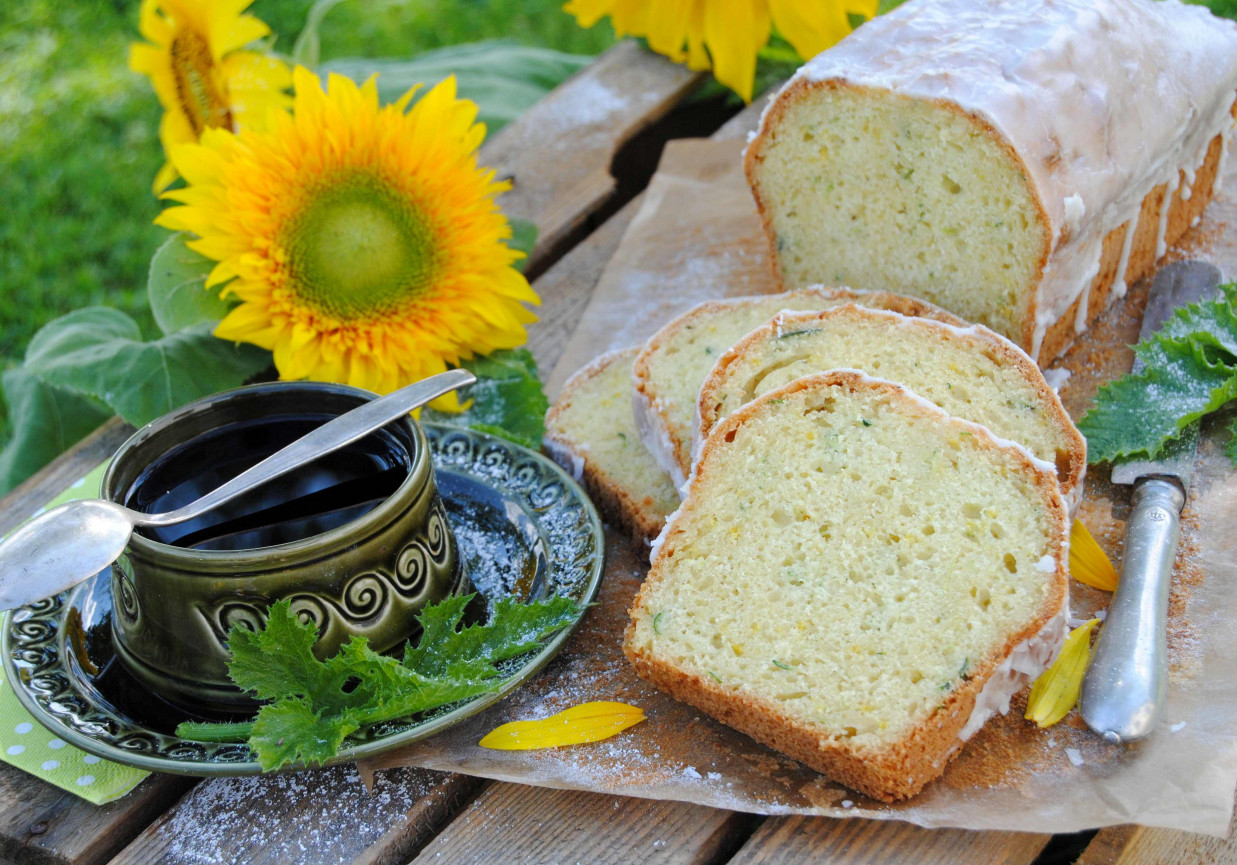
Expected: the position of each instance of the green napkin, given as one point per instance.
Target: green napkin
(26, 744)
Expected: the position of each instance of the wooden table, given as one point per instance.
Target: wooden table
(577, 172)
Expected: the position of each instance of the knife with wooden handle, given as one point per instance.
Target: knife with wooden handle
(1123, 692)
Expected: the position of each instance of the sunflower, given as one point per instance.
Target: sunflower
(726, 35)
(202, 78)
(363, 243)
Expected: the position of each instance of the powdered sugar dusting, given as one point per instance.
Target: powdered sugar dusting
(320, 816)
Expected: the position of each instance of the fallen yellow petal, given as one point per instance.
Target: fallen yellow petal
(1056, 690)
(1087, 562)
(588, 722)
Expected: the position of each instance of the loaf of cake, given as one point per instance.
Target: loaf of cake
(970, 372)
(673, 364)
(1017, 162)
(855, 579)
(590, 431)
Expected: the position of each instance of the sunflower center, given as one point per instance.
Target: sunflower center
(359, 249)
(193, 70)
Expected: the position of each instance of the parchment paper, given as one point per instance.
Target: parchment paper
(696, 238)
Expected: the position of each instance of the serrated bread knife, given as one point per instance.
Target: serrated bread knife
(1123, 692)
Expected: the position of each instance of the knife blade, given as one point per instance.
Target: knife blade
(1123, 691)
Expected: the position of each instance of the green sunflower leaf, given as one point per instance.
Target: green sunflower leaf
(507, 400)
(177, 289)
(46, 421)
(98, 353)
(523, 238)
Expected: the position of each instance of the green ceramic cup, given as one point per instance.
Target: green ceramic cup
(173, 605)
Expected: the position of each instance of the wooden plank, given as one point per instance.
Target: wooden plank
(511, 823)
(324, 815)
(787, 840)
(1142, 845)
(566, 287)
(40, 823)
(558, 153)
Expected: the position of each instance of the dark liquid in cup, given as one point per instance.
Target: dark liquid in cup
(323, 495)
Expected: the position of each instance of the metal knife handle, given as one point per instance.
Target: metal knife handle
(1123, 692)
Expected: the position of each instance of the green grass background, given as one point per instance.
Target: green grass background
(79, 134)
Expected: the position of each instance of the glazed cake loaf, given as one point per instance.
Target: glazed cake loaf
(855, 579)
(1018, 162)
(590, 431)
(970, 372)
(672, 365)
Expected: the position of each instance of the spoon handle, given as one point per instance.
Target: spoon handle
(331, 436)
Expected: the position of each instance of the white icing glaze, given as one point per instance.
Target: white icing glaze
(1103, 100)
(565, 457)
(655, 436)
(1161, 232)
(1056, 378)
(1118, 281)
(1223, 163)
(1022, 667)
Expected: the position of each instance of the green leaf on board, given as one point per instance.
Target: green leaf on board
(314, 705)
(98, 352)
(504, 78)
(46, 421)
(1190, 370)
(523, 238)
(177, 289)
(507, 400)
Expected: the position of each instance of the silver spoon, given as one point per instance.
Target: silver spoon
(71, 543)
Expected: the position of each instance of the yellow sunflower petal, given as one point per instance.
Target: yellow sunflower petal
(809, 25)
(1087, 562)
(588, 12)
(667, 26)
(201, 76)
(1056, 690)
(588, 722)
(734, 30)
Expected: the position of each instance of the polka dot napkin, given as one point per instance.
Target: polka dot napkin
(26, 744)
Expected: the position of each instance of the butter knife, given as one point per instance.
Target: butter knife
(1123, 692)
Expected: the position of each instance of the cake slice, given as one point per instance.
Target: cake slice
(1018, 162)
(591, 432)
(971, 373)
(674, 362)
(855, 579)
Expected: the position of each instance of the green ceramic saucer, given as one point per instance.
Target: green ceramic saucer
(524, 528)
